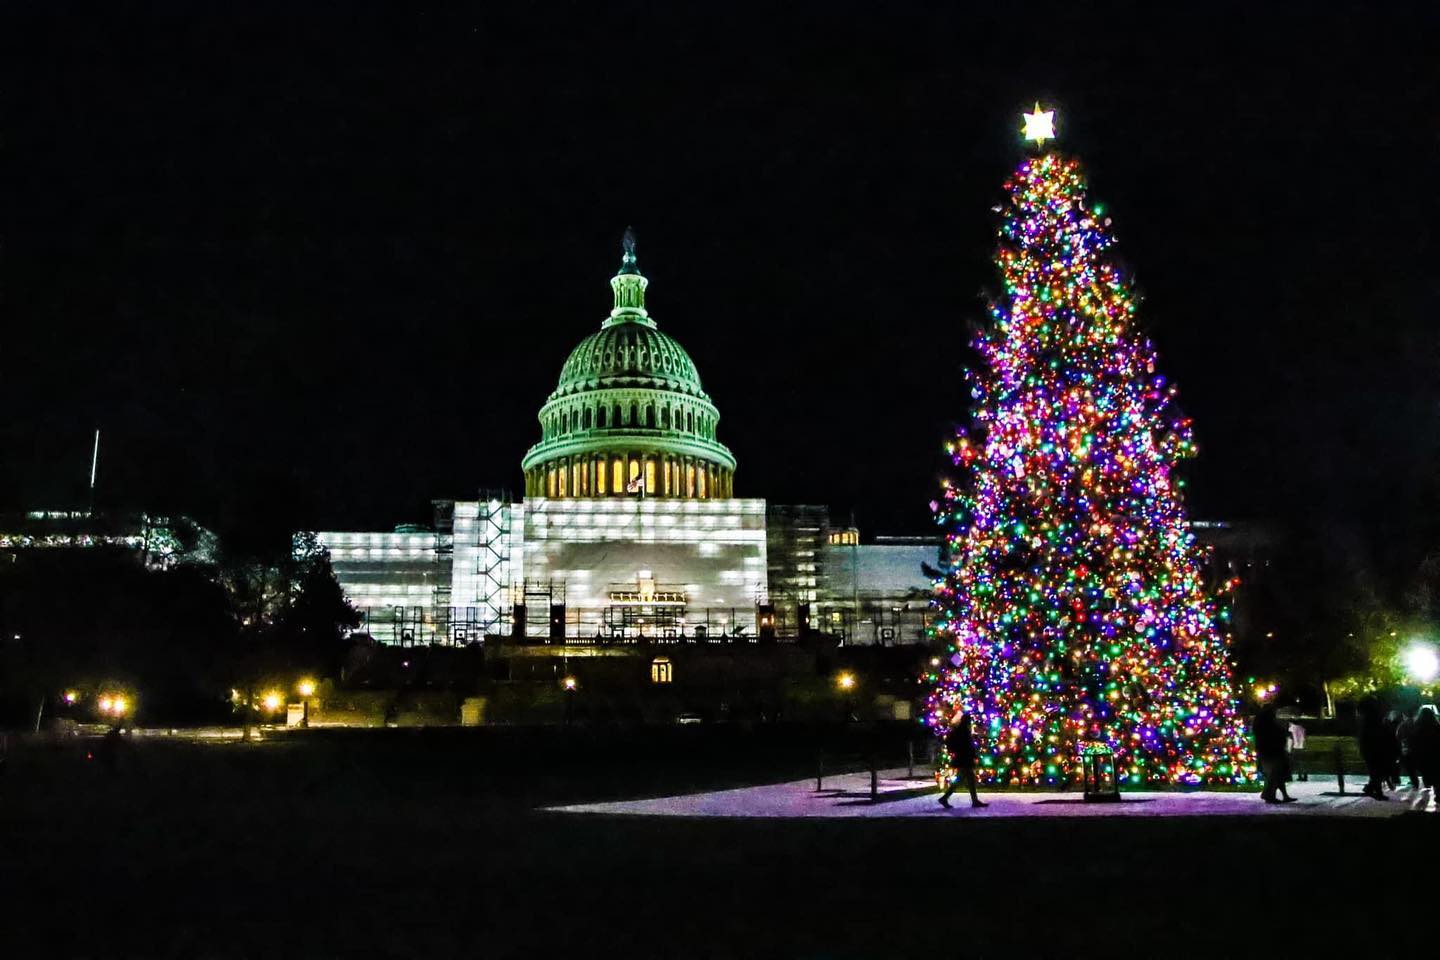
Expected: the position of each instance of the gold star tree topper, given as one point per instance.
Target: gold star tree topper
(1039, 126)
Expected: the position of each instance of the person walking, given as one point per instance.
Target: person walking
(1392, 733)
(1377, 745)
(1270, 743)
(1405, 737)
(960, 743)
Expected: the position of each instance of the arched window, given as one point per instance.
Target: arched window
(649, 414)
(605, 416)
(587, 418)
(634, 413)
(665, 418)
(690, 421)
(565, 422)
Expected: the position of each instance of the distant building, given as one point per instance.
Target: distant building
(159, 542)
(629, 526)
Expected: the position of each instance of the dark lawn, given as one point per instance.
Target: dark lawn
(403, 843)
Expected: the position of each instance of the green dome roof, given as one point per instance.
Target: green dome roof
(628, 400)
(629, 354)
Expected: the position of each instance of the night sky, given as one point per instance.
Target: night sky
(328, 259)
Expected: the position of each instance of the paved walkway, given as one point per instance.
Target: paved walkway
(848, 795)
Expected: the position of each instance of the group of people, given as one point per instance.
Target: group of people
(1393, 746)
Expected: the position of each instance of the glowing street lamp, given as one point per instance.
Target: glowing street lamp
(570, 683)
(272, 701)
(846, 681)
(71, 697)
(306, 688)
(1422, 663)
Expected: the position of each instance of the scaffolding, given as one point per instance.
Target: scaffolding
(493, 560)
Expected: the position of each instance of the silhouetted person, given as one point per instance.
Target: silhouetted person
(1425, 746)
(1405, 736)
(1270, 742)
(1377, 746)
(961, 745)
(1392, 730)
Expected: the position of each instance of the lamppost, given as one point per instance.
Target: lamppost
(272, 702)
(846, 683)
(570, 684)
(306, 689)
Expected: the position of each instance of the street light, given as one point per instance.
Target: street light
(846, 681)
(272, 701)
(1422, 662)
(306, 688)
(569, 683)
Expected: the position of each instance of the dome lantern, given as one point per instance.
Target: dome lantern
(629, 287)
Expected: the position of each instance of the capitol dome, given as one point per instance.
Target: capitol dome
(629, 416)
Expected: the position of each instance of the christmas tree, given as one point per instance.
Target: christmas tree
(1072, 600)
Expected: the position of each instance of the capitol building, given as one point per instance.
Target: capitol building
(630, 528)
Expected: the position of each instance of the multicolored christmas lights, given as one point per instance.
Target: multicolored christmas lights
(1072, 601)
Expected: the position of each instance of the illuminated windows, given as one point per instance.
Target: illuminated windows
(661, 670)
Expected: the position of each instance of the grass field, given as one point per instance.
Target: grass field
(398, 843)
